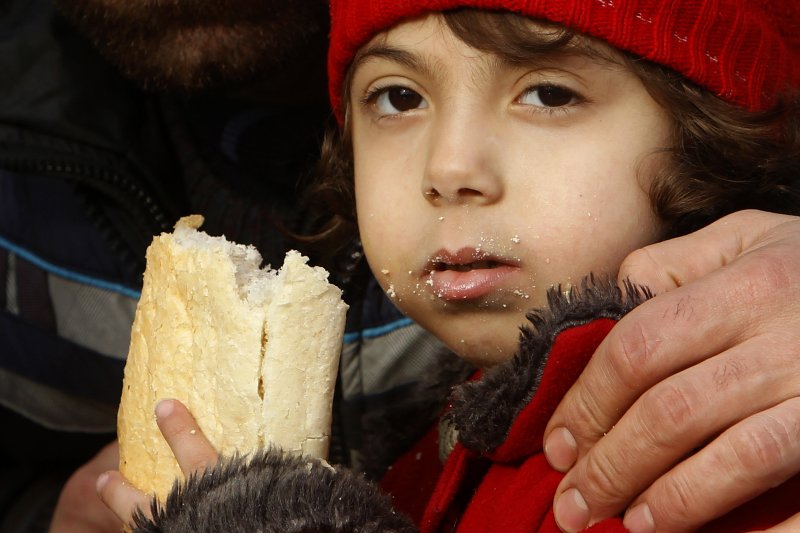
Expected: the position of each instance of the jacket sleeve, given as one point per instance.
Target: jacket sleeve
(274, 491)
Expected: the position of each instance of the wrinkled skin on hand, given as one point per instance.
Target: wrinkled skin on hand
(695, 395)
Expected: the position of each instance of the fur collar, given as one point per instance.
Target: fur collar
(484, 410)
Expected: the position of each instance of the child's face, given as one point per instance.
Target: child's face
(480, 183)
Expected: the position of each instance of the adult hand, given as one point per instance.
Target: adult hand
(691, 405)
(78, 507)
(191, 448)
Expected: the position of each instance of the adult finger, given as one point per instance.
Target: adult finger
(743, 462)
(691, 408)
(673, 263)
(121, 497)
(192, 449)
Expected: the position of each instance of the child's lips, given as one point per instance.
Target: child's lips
(470, 284)
(467, 274)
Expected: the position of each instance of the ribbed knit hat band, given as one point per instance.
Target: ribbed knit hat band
(745, 51)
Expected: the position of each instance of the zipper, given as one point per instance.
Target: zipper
(148, 216)
(120, 188)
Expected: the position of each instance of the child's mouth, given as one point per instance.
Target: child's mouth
(466, 267)
(467, 274)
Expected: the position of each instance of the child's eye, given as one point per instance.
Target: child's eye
(549, 96)
(396, 99)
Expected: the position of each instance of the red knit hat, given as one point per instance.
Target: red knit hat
(745, 51)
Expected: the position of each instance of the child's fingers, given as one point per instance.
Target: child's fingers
(120, 496)
(191, 448)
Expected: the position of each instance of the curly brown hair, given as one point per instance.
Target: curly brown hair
(723, 158)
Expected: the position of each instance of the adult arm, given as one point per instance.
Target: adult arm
(695, 395)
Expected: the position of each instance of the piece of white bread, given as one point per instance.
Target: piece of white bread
(252, 352)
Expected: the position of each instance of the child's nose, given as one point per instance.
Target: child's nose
(462, 167)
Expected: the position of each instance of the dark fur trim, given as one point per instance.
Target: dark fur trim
(274, 491)
(484, 410)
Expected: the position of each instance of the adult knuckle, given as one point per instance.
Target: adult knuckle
(776, 272)
(675, 507)
(633, 348)
(767, 448)
(681, 496)
(604, 483)
(674, 406)
(732, 372)
(766, 278)
(585, 417)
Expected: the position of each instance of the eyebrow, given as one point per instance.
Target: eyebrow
(402, 57)
(578, 48)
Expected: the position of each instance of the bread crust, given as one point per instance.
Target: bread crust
(254, 362)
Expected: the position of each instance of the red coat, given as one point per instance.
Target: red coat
(496, 479)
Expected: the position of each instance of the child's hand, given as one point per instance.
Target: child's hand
(191, 448)
(709, 369)
(78, 507)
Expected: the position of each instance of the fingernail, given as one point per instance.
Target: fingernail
(571, 511)
(561, 449)
(164, 408)
(102, 479)
(639, 519)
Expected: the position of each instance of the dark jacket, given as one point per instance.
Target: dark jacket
(91, 167)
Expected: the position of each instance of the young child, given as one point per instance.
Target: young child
(507, 155)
